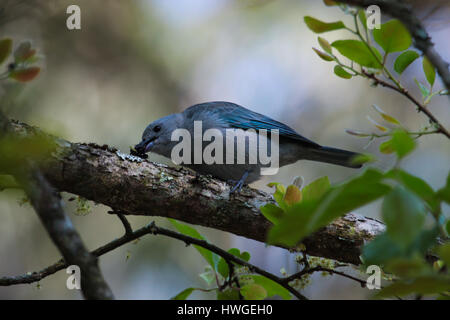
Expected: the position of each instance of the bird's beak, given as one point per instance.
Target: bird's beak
(145, 146)
(149, 146)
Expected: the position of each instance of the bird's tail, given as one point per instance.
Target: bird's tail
(334, 156)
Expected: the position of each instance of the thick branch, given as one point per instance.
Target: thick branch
(48, 206)
(132, 186)
(402, 11)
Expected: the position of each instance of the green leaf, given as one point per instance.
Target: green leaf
(429, 70)
(357, 133)
(404, 60)
(444, 193)
(330, 3)
(183, 295)
(358, 52)
(324, 56)
(209, 256)
(363, 158)
(316, 189)
(348, 196)
(318, 26)
(423, 243)
(209, 275)
(402, 143)
(25, 75)
(5, 49)
(272, 212)
(236, 252)
(408, 267)
(272, 288)
(415, 184)
(422, 285)
(7, 182)
(340, 72)
(384, 249)
(279, 193)
(444, 253)
(24, 52)
(228, 294)
(222, 266)
(16, 151)
(325, 45)
(293, 227)
(311, 214)
(423, 89)
(386, 116)
(253, 291)
(377, 125)
(386, 147)
(392, 36)
(380, 250)
(404, 215)
(23, 49)
(362, 18)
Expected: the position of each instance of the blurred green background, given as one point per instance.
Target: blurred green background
(135, 61)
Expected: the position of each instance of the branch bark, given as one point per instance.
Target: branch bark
(422, 41)
(133, 186)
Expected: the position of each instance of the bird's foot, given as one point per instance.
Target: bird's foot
(237, 185)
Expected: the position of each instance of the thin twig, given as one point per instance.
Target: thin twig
(150, 229)
(406, 93)
(126, 224)
(323, 269)
(226, 255)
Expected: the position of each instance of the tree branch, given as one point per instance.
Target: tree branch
(422, 41)
(134, 186)
(404, 92)
(153, 229)
(308, 270)
(48, 206)
(226, 255)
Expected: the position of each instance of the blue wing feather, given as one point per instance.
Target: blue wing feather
(239, 117)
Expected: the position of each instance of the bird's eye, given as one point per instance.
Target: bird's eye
(157, 128)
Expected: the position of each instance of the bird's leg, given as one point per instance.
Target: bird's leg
(238, 186)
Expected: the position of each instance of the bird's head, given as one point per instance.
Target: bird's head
(157, 136)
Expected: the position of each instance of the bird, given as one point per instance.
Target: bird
(223, 117)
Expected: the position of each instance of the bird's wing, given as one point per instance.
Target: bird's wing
(233, 115)
(239, 117)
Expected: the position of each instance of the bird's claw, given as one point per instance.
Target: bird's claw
(239, 184)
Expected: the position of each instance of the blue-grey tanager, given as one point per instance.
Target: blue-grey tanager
(199, 138)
